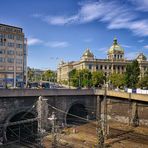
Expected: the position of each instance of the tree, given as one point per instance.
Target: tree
(132, 74)
(143, 82)
(49, 75)
(97, 78)
(80, 78)
(117, 79)
(30, 74)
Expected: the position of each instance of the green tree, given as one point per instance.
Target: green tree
(97, 78)
(80, 78)
(117, 79)
(30, 74)
(132, 74)
(49, 75)
(143, 82)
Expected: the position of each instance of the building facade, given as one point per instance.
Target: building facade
(13, 56)
(115, 63)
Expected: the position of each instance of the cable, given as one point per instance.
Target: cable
(69, 113)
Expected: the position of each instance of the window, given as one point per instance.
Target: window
(10, 36)
(19, 46)
(109, 66)
(97, 67)
(10, 60)
(105, 67)
(2, 36)
(10, 44)
(101, 66)
(2, 51)
(90, 66)
(2, 60)
(2, 43)
(19, 38)
(10, 52)
(19, 61)
(19, 53)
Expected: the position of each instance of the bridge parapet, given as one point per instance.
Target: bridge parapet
(123, 95)
(44, 92)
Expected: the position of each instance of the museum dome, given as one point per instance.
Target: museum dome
(88, 54)
(115, 48)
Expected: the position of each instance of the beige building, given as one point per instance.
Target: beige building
(13, 46)
(115, 62)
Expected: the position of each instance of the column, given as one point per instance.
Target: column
(134, 115)
(42, 110)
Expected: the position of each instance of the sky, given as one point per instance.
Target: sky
(62, 29)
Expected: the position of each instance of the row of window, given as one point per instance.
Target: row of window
(18, 68)
(10, 44)
(12, 36)
(11, 52)
(105, 67)
(10, 60)
(116, 56)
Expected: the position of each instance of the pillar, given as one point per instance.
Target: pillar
(42, 110)
(100, 135)
(134, 115)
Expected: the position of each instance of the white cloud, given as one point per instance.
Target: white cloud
(131, 55)
(34, 41)
(126, 46)
(88, 40)
(146, 47)
(141, 5)
(59, 20)
(115, 15)
(57, 44)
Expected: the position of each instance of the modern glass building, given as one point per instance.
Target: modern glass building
(13, 56)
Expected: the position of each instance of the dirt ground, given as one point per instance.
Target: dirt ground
(84, 136)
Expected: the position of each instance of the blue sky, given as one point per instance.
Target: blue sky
(62, 29)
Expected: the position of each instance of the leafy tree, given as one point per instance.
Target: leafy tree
(132, 74)
(117, 79)
(74, 78)
(30, 74)
(80, 78)
(97, 78)
(49, 75)
(143, 82)
(85, 77)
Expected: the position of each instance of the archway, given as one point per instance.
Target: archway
(21, 127)
(76, 114)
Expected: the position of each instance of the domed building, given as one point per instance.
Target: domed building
(115, 63)
(87, 55)
(116, 52)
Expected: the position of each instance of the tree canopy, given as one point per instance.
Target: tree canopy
(132, 74)
(117, 79)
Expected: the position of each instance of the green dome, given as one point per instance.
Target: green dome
(115, 48)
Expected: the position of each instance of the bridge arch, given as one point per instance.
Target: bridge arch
(20, 125)
(76, 110)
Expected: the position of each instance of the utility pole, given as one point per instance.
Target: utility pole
(54, 132)
(100, 137)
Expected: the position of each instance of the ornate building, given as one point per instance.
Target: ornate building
(115, 63)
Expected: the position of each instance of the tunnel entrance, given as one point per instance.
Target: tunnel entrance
(76, 110)
(21, 132)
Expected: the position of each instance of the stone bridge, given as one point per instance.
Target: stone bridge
(21, 110)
